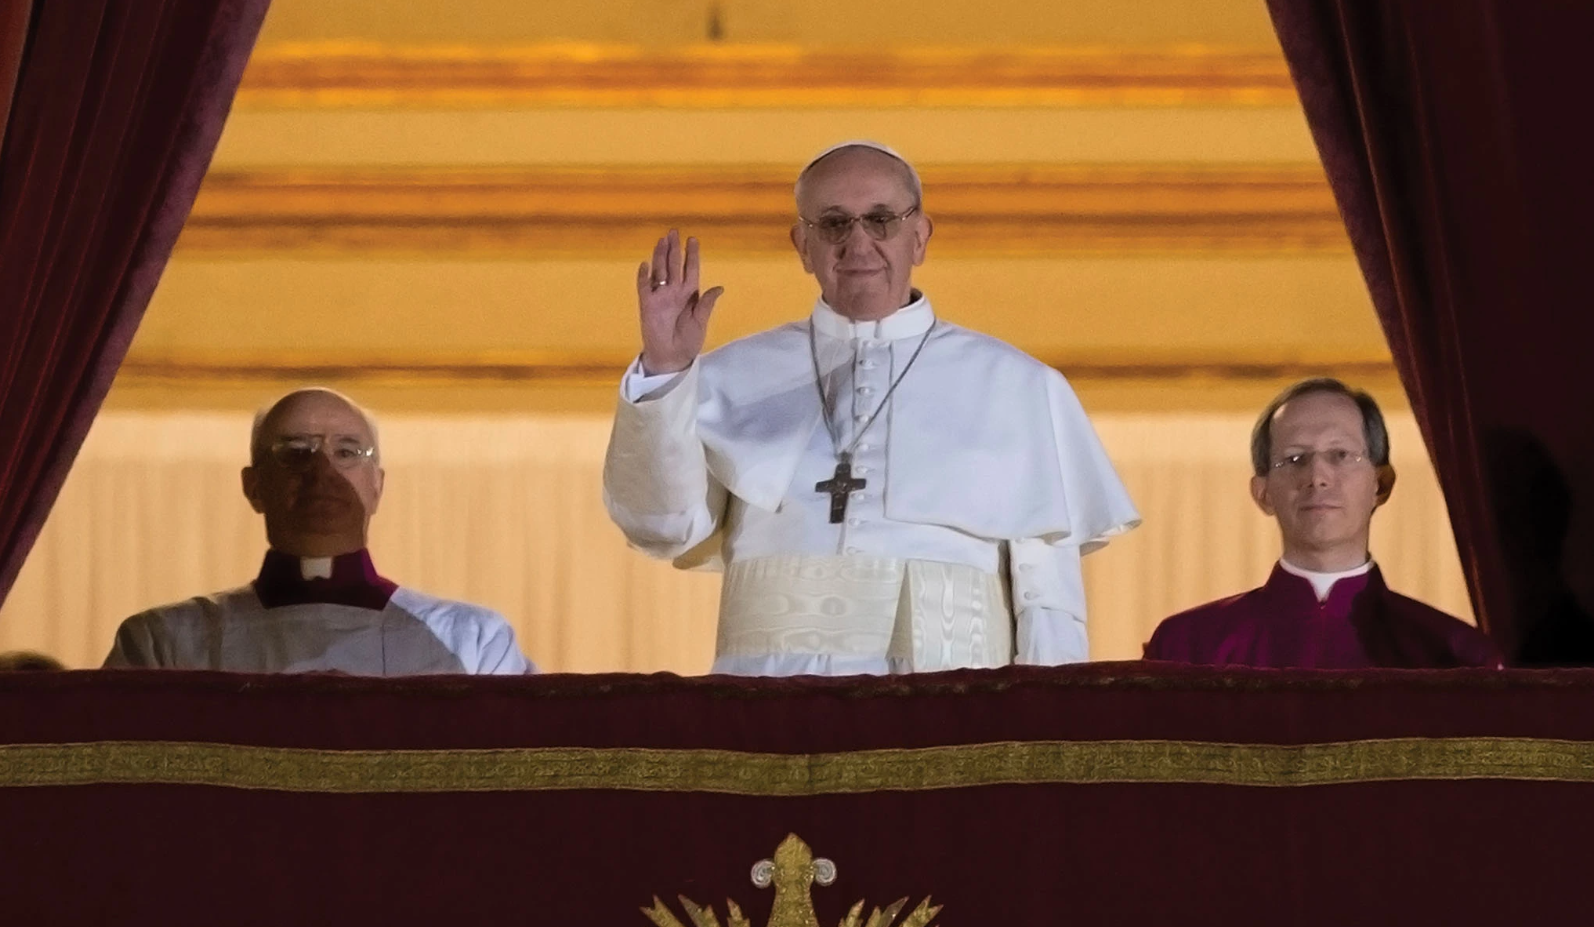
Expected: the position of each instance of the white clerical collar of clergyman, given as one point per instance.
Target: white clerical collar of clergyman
(315, 567)
(910, 321)
(1322, 583)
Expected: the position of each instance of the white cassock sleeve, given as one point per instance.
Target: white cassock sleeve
(1048, 589)
(498, 654)
(656, 483)
(139, 645)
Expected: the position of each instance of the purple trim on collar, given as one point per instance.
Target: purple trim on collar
(354, 582)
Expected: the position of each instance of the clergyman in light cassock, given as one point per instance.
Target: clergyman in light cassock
(1320, 455)
(885, 490)
(318, 602)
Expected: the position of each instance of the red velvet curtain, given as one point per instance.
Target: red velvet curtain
(117, 108)
(1452, 134)
(14, 16)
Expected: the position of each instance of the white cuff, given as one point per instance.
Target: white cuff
(639, 386)
(1046, 576)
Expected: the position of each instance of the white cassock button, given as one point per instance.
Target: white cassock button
(867, 364)
(860, 470)
(861, 417)
(855, 522)
(866, 391)
(1031, 596)
(1025, 567)
(865, 447)
(859, 494)
(852, 550)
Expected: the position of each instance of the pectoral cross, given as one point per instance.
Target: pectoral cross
(840, 486)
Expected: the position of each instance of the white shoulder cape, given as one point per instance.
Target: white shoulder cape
(983, 437)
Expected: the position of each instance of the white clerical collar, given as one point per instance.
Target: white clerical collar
(910, 321)
(1322, 583)
(315, 568)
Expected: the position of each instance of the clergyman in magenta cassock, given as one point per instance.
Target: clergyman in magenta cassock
(1320, 457)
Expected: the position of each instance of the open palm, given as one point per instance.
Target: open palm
(674, 314)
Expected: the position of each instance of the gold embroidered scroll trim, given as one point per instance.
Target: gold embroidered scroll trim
(792, 775)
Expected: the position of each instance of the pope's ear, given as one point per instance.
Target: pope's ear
(799, 240)
(924, 228)
(250, 478)
(1386, 484)
(1259, 495)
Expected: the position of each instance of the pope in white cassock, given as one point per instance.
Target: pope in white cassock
(886, 491)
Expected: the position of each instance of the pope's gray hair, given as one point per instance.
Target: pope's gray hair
(910, 177)
(257, 447)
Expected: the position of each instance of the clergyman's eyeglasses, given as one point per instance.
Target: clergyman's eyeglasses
(298, 452)
(881, 226)
(1337, 458)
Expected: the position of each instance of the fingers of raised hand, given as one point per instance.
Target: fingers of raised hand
(672, 258)
(644, 279)
(662, 261)
(689, 272)
(672, 278)
(705, 304)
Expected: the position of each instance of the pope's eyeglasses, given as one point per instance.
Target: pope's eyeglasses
(881, 226)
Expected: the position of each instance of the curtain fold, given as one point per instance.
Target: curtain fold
(116, 111)
(14, 16)
(1444, 131)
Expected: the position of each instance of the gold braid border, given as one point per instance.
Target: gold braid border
(793, 775)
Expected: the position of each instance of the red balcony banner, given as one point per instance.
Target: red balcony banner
(1101, 794)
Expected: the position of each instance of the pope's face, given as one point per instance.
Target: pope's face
(861, 278)
(1324, 509)
(321, 505)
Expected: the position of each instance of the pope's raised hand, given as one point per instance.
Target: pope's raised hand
(674, 314)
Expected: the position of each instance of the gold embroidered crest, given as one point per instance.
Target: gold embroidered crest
(792, 872)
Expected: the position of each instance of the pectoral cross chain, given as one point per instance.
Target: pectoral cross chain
(840, 487)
